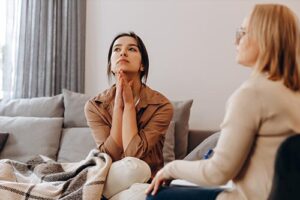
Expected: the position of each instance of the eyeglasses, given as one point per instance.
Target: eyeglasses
(241, 32)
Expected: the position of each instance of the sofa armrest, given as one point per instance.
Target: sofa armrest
(195, 137)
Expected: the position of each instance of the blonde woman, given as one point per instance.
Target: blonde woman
(262, 113)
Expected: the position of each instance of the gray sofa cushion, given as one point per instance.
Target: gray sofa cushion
(30, 136)
(34, 107)
(75, 144)
(169, 144)
(3, 139)
(74, 109)
(181, 118)
(203, 147)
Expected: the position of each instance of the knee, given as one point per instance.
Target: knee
(123, 173)
(134, 167)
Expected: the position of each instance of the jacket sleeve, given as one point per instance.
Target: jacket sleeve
(238, 131)
(152, 134)
(100, 128)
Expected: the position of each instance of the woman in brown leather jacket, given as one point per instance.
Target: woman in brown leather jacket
(130, 119)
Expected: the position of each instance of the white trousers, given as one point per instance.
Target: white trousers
(124, 173)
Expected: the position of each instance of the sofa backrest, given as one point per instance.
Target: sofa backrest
(33, 125)
(75, 144)
(73, 138)
(34, 107)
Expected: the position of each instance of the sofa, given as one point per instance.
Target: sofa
(56, 127)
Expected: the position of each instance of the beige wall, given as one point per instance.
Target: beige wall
(190, 45)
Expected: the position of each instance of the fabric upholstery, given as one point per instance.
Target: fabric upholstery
(75, 144)
(181, 118)
(74, 109)
(34, 107)
(203, 147)
(41, 178)
(30, 136)
(169, 144)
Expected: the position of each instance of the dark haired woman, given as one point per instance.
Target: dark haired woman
(129, 120)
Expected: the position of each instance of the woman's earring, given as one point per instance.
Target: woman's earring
(142, 68)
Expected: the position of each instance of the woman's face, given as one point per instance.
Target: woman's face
(246, 46)
(126, 56)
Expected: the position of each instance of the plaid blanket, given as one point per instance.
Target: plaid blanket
(44, 179)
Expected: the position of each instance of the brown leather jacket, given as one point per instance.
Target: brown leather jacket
(154, 113)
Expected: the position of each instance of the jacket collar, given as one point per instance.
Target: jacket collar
(147, 96)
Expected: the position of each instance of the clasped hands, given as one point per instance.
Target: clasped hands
(124, 94)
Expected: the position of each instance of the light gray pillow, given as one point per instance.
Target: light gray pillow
(181, 118)
(169, 144)
(199, 152)
(30, 136)
(75, 144)
(33, 107)
(74, 109)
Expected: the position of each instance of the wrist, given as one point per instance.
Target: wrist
(118, 108)
(129, 106)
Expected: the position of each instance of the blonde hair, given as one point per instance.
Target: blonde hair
(276, 29)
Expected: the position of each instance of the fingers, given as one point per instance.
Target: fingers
(156, 186)
(153, 187)
(120, 83)
(119, 75)
(130, 83)
(128, 93)
(119, 91)
(150, 187)
(157, 181)
(121, 80)
(124, 88)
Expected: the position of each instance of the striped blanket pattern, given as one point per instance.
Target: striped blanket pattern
(44, 179)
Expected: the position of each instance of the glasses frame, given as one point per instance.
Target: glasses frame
(240, 33)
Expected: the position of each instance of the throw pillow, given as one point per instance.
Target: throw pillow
(181, 118)
(33, 107)
(169, 144)
(3, 139)
(203, 147)
(30, 136)
(74, 109)
(75, 144)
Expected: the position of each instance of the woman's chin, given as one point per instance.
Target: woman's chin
(238, 60)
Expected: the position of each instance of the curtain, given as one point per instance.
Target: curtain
(45, 48)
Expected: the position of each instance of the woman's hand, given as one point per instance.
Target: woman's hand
(127, 93)
(119, 90)
(157, 181)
